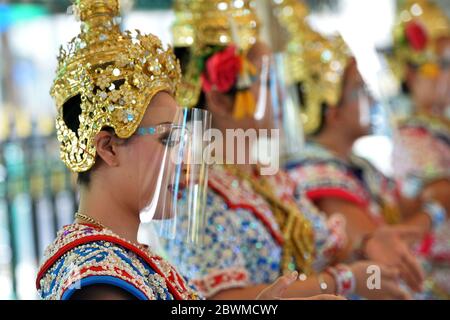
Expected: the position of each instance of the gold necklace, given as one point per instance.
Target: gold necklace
(88, 219)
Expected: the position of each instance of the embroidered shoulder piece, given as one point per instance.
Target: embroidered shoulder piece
(421, 152)
(381, 187)
(437, 129)
(319, 174)
(285, 186)
(240, 195)
(84, 255)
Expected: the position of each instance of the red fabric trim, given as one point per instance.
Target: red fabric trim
(209, 284)
(425, 250)
(420, 131)
(425, 247)
(99, 269)
(318, 194)
(277, 236)
(120, 242)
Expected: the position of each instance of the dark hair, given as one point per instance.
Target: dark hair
(404, 85)
(71, 114)
(184, 56)
(303, 101)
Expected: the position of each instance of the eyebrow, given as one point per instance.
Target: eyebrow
(155, 125)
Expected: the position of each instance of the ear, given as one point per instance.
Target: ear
(219, 103)
(107, 148)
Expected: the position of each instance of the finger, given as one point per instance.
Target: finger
(407, 277)
(325, 297)
(414, 267)
(409, 233)
(415, 264)
(389, 272)
(394, 292)
(281, 284)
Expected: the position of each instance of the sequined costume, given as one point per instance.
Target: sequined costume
(436, 250)
(244, 243)
(329, 233)
(421, 153)
(319, 173)
(84, 255)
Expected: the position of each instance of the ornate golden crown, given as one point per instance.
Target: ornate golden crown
(115, 74)
(183, 34)
(183, 29)
(291, 15)
(317, 62)
(435, 24)
(221, 22)
(214, 23)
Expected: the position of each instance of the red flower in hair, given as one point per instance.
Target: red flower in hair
(416, 35)
(222, 70)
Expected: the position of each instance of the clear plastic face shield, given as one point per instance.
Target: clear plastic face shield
(269, 114)
(172, 176)
(287, 113)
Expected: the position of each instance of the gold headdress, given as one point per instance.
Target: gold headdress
(183, 29)
(183, 34)
(216, 23)
(291, 15)
(318, 63)
(419, 24)
(221, 22)
(114, 73)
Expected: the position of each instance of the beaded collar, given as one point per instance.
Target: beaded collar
(74, 235)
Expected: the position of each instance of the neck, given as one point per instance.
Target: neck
(337, 142)
(99, 203)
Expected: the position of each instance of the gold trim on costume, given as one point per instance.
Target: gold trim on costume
(299, 246)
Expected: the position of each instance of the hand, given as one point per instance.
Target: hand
(389, 245)
(275, 290)
(322, 297)
(389, 285)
